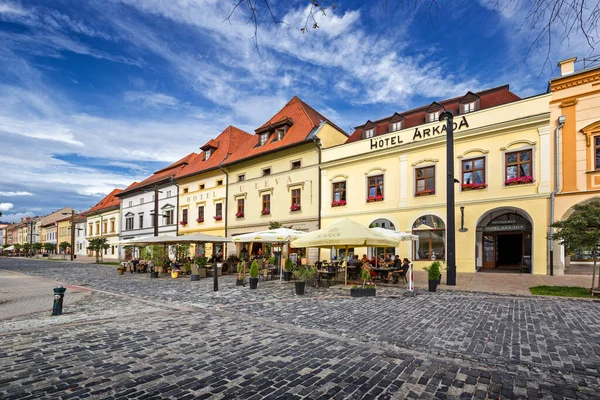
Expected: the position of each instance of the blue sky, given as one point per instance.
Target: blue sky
(97, 94)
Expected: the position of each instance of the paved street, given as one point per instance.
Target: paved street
(166, 338)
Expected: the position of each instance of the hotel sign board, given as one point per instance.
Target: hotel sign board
(418, 134)
(504, 228)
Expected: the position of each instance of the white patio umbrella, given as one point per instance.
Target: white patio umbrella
(279, 235)
(399, 236)
(10, 248)
(344, 233)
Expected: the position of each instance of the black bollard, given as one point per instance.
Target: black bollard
(59, 294)
(216, 277)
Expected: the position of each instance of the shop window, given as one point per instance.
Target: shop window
(518, 167)
(432, 238)
(339, 194)
(375, 188)
(425, 181)
(473, 174)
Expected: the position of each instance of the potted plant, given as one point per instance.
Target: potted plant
(295, 207)
(266, 211)
(424, 192)
(288, 269)
(121, 269)
(271, 260)
(240, 274)
(194, 270)
(338, 203)
(372, 199)
(434, 274)
(304, 274)
(519, 180)
(254, 275)
(200, 220)
(239, 215)
(367, 289)
(218, 217)
(183, 223)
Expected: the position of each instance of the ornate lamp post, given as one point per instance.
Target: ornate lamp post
(450, 202)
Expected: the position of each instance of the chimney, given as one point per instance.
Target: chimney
(567, 67)
(22, 219)
(28, 219)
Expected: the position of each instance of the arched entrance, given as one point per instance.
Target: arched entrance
(386, 224)
(505, 239)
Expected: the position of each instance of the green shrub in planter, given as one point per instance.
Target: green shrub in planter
(434, 273)
(254, 275)
(304, 274)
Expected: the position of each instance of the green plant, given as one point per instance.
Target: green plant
(201, 261)
(182, 251)
(233, 259)
(271, 260)
(305, 273)
(240, 270)
(254, 270)
(365, 276)
(49, 247)
(289, 265)
(97, 245)
(434, 271)
(187, 267)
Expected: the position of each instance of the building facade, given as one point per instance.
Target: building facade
(391, 174)
(576, 98)
(81, 242)
(274, 176)
(103, 221)
(63, 229)
(203, 187)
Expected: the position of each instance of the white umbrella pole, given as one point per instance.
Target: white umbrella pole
(346, 268)
(280, 264)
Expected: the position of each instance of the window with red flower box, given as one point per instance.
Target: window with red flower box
(266, 204)
(425, 181)
(473, 174)
(375, 188)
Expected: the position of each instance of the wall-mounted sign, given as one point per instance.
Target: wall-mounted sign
(504, 228)
(419, 134)
(202, 196)
(268, 183)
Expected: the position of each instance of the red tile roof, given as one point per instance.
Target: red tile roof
(303, 119)
(228, 142)
(487, 99)
(111, 200)
(160, 175)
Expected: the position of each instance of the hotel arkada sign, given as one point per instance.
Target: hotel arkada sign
(418, 134)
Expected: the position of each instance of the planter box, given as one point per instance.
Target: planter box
(362, 292)
(287, 276)
(195, 277)
(300, 286)
(239, 282)
(433, 286)
(153, 274)
(253, 283)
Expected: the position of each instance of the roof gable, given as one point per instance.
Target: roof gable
(109, 201)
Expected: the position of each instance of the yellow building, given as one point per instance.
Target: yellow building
(203, 187)
(103, 221)
(391, 174)
(576, 98)
(274, 176)
(63, 228)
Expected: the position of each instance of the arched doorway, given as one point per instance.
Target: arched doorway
(505, 239)
(386, 224)
(431, 245)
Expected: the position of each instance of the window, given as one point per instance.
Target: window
(202, 186)
(130, 203)
(433, 116)
(141, 217)
(168, 215)
(201, 213)
(128, 223)
(425, 180)
(105, 227)
(185, 190)
(112, 250)
(184, 216)
(296, 198)
(597, 151)
(142, 200)
(219, 210)
(98, 228)
(469, 107)
(432, 238)
(395, 126)
(168, 193)
(266, 171)
(266, 203)
(90, 229)
(112, 226)
(220, 182)
(369, 133)
(296, 164)
(339, 191)
(279, 134)
(207, 153)
(518, 164)
(262, 139)
(240, 208)
(152, 218)
(241, 177)
(473, 171)
(375, 186)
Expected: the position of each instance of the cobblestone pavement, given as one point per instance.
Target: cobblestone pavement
(268, 343)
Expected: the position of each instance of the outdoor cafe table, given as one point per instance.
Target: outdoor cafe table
(382, 272)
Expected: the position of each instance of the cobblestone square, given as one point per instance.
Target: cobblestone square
(134, 337)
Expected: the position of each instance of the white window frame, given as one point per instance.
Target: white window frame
(433, 116)
(369, 133)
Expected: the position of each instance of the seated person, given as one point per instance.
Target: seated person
(395, 266)
(354, 261)
(364, 259)
(401, 273)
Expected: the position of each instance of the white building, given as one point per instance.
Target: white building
(138, 203)
(81, 242)
(103, 221)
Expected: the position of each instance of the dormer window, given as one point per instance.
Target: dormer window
(207, 154)
(369, 133)
(433, 116)
(279, 134)
(469, 103)
(469, 107)
(262, 139)
(396, 126)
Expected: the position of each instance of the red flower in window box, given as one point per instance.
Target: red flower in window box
(372, 199)
(199, 220)
(183, 223)
(239, 215)
(218, 217)
(473, 186)
(425, 192)
(266, 211)
(295, 207)
(338, 203)
(519, 181)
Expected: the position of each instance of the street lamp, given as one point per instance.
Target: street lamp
(451, 223)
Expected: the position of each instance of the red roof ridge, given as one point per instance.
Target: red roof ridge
(110, 200)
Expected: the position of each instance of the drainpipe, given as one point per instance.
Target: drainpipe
(317, 142)
(561, 122)
(226, 210)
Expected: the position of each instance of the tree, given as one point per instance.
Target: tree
(274, 225)
(37, 247)
(581, 231)
(97, 245)
(541, 18)
(64, 246)
(49, 247)
(27, 248)
(18, 248)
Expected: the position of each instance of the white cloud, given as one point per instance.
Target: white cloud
(14, 194)
(6, 206)
(16, 217)
(151, 99)
(11, 8)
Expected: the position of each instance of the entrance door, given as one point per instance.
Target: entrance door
(489, 251)
(510, 250)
